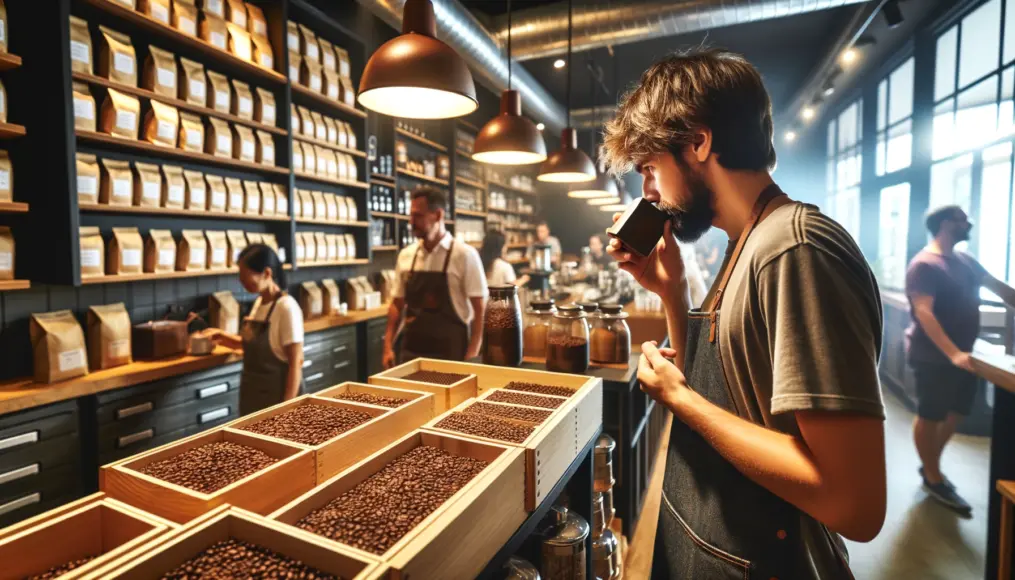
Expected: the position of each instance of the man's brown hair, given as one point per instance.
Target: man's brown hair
(686, 92)
(435, 198)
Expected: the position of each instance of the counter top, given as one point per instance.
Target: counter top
(618, 373)
(991, 363)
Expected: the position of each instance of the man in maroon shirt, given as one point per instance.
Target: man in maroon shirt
(943, 287)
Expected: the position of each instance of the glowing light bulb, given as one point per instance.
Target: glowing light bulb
(559, 63)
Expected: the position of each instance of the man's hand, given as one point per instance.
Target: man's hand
(964, 361)
(388, 359)
(473, 351)
(659, 377)
(661, 272)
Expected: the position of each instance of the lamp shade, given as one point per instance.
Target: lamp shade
(509, 138)
(569, 164)
(602, 186)
(416, 76)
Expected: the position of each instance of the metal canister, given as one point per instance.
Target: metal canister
(564, 550)
(520, 569)
(605, 548)
(603, 463)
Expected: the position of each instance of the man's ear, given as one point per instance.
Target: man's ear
(701, 146)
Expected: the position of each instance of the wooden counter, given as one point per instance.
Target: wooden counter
(992, 364)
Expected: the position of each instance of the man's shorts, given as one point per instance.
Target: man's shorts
(943, 389)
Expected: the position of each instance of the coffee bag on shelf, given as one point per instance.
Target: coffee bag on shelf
(321, 244)
(306, 122)
(219, 94)
(339, 165)
(310, 243)
(350, 165)
(236, 13)
(117, 61)
(174, 187)
(193, 84)
(311, 300)
(297, 160)
(301, 249)
(270, 241)
(320, 206)
(117, 184)
(320, 154)
(218, 250)
(161, 124)
(251, 198)
(340, 250)
(310, 76)
(58, 346)
(309, 159)
(80, 46)
(224, 312)
(191, 133)
(268, 202)
(218, 193)
(328, 61)
(262, 51)
(304, 204)
(92, 252)
(159, 252)
(329, 297)
(120, 115)
(213, 31)
(342, 56)
(348, 92)
(320, 129)
(6, 177)
(196, 197)
(244, 144)
(265, 148)
(185, 17)
(292, 43)
(350, 247)
(343, 135)
(350, 136)
(256, 23)
(281, 199)
(264, 106)
(332, 240)
(239, 42)
(108, 336)
(218, 138)
(254, 238)
(350, 204)
(237, 242)
(341, 209)
(6, 253)
(192, 252)
(295, 62)
(84, 107)
(159, 75)
(243, 100)
(156, 9)
(214, 7)
(308, 45)
(332, 84)
(236, 195)
(87, 178)
(331, 129)
(125, 252)
(330, 207)
(147, 185)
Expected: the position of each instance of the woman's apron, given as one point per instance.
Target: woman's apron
(263, 380)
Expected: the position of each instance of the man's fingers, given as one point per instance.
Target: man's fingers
(668, 352)
(617, 215)
(651, 353)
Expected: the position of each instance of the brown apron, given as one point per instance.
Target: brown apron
(432, 327)
(263, 379)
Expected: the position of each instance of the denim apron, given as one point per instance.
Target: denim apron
(263, 379)
(432, 326)
(714, 522)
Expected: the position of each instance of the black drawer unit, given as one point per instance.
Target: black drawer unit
(145, 439)
(372, 361)
(150, 398)
(329, 358)
(35, 493)
(24, 432)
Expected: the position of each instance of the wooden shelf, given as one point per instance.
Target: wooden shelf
(159, 150)
(491, 183)
(421, 140)
(178, 103)
(332, 146)
(11, 131)
(326, 179)
(386, 179)
(156, 276)
(390, 248)
(516, 260)
(516, 246)
(157, 28)
(465, 154)
(510, 212)
(320, 99)
(13, 207)
(389, 215)
(469, 212)
(353, 262)
(8, 285)
(332, 223)
(106, 208)
(471, 182)
(9, 61)
(421, 177)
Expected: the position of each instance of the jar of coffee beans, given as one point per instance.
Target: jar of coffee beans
(502, 327)
(611, 336)
(567, 345)
(537, 327)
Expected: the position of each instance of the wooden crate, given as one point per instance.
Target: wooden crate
(260, 492)
(75, 505)
(460, 537)
(345, 449)
(446, 396)
(156, 560)
(395, 393)
(99, 527)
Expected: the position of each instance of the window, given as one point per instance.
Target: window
(893, 229)
(895, 120)
(845, 135)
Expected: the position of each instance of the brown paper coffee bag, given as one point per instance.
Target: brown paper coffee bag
(239, 42)
(117, 184)
(6, 253)
(125, 252)
(298, 165)
(161, 124)
(332, 247)
(218, 138)
(340, 248)
(80, 46)
(264, 106)
(332, 85)
(237, 243)
(310, 76)
(6, 177)
(331, 162)
(320, 129)
(196, 194)
(218, 193)
(306, 122)
(120, 115)
(320, 206)
(87, 179)
(244, 143)
(348, 92)
(193, 84)
(58, 347)
(328, 61)
(311, 300)
(330, 207)
(219, 93)
(251, 198)
(218, 250)
(270, 241)
(309, 159)
(173, 187)
(301, 249)
(185, 17)
(159, 75)
(308, 45)
(321, 159)
(236, 13)
(295, 65)
(192, 252)
(350, 136)
(147, 185)
(108, 335)
(254, 238)
(321, 241)
(310, 243)
(159, 252)
(267, 199)
(243, 101)
(292, 43)
(191, 136)
(214, 32)
(342, 56)
(341, 209)
(262, 51)
(116, 57)
(256, 23)
(157, 9)
(331, 129)
(92, 252)
(214, 7)
(224, 312)
(265, 148)
(350, 247)
(236, 195)
(298, 204)
(84, 107)
(281, 200)
(330, 297)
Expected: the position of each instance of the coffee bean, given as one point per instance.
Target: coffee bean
(57, 571)
(525, 399)
(231, 558)
(509, 411)
(310, 424)
(435, 377)
(211, 466)
(484, 426)
(541, 389)
(378, 512)
(372, 399)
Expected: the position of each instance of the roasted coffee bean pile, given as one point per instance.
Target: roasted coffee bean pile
(520, 413)
(541, 389)
(486, 426)
(57, 571)
(375, 514)
(435, 377)
(238, 559)
(211, 466)
(524, 399)
(502, 317)
(371, 399)
(310, 424)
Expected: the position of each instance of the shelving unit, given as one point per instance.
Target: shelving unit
(421, 140)
(384, 214)
(334, 263)
(384, 179)
(392, 248)
(510, 188)
(321, 100)
(421, 177)
(332, 146)
(326, 179)
(332, 223)
(468, 181)
(106, 208)
(470, 213)
(13, 207)
(156, 276)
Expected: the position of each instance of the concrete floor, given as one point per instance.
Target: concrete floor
(921, 538)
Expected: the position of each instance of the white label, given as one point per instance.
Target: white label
(3, 31)
(175, 194)
(281, 205)
(321, 132)
(266, 60)
(194, 139)
(343, 69)
(91, 258)
(218, 199)
(294, 73)
(301, 252)
(6, 261)
(167, 78)
(254, 205)
(260, 28)
(294, 42)
(186, 25)
(315, 308)
(315, 83)
(167, 257)
(197, 256)
(236, 200)
(333, 92)
(88, 184)
(268, 152)
(197, 88)
(121, 188)
(310, 163)
(298, 160)
(218, 39)
(167, 130)
(79, 52)
(150, 191)
(236, 255)
(83, 109)
(130, 258)
(312, 51)
(268, 114)
(5, 180)
(126, 120)
(119, 348)
(308, 127)
(332, 134)
(221, 99)
(329, 60)
(123, 63)
(225, 143)
(214, 6)
(218, 256)
(247, 149)
(239, 18)
(160, 13)
(71, 359)
(246, 106)
(197, 197)
(333, 255)
(332, 166)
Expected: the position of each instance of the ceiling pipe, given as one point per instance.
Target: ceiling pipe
(485, 56)
(541, 32)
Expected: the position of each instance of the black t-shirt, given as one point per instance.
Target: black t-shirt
(954, 283)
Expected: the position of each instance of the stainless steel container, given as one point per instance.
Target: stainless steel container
(564, 550)
(603, 463)
(605, 548)
(520, 569)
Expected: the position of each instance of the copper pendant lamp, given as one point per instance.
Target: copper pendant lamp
(416, 76)
(509, 138)
(603, 185)
(569, 164)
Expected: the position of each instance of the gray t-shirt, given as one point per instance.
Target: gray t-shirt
(800, 329)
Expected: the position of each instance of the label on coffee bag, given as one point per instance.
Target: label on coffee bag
(247, 149)
(294, 42)
(266, 61)
(343, 68)
(197, 88)
(218, 198)
(236, 200)
(213, 6)
(197, 256)
(167, 78)
(6, 261)
(160, 13)
(329, 59)
(88, 184)
(294, 73)
(218, 256)
(308, 128)
(167, 257)
(312, 51)
(126, 120)
(259, 28)
(225, 143)
(71, 359)
(83, 109)
(268, 152)
(130, 258)
(255, 205)
(121, 188)
(221, 99)
(239, 19)
(193, 139)
(333, 92)
(150, 191)
(218, 39)
(315, 83)
(246, 106)
(187, 25)
(79, 52)
(301, 252)
(268, 114)
(5, 180)
(167, 130)
(119, 348)
(197, 197)
(175, 194)
(91, 258)
(123, 63)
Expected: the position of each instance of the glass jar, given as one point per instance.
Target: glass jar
(611, 336)
(502, 327)
(541, 258)
(537, 327)
(401, 154)
(567, 345)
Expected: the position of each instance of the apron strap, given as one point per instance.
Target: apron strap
(447, 259)
(412, 268)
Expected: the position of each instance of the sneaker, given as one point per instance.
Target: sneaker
(947, 496)
(944, 479)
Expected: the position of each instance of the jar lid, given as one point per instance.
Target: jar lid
(571, 529)
(503, 289)
(588, 307)
(610, 307)
(541, 304)
(569, 311)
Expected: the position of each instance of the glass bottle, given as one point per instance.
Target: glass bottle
(537, 327)
(567, 345)
(611, 336)
(502, 327)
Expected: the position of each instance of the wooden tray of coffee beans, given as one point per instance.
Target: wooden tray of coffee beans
(449, 387)
(78, 540)
(338, 432)
(181, 480)
(235, 543)
(429, 505)
(364, 394)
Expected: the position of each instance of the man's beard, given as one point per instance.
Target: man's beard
(691, 219)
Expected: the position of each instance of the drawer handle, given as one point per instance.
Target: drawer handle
(340, 348)
(213, 415)
(343, 364)
(315, 376)
(307, 363)
(30, 437)
(135, 410)
(134, 438)
(19, 473)
(212, 391)
(309, 348)
(20, 503)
